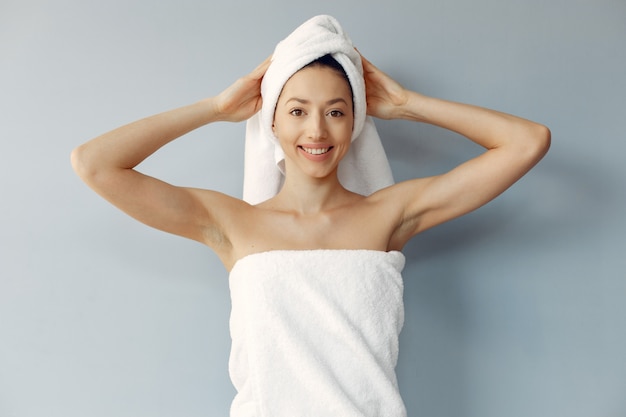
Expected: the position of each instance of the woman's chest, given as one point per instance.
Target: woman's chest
(342, 229)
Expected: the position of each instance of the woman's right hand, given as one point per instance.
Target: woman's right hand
(242, 99)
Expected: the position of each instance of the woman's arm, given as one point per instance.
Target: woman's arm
(513, 146)
(107, 163)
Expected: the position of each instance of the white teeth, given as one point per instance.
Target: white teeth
(317, 151)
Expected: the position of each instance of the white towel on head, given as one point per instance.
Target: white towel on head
(365, 168)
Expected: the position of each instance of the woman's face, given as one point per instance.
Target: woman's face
(314, 119)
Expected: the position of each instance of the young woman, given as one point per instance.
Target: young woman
(313, 225)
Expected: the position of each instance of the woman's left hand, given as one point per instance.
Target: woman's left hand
(242, 99)
(385, 97)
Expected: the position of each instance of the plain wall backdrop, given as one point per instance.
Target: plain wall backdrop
(516, 310)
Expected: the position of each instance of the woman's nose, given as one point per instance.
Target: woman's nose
(317, 126)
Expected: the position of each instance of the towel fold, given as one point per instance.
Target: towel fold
(315, 333)
(365, 168)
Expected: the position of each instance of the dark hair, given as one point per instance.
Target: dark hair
(330, 62)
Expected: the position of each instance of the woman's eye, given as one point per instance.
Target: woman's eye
(335, 113)
(296, 112)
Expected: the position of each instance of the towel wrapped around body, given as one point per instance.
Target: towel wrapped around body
(315, 333)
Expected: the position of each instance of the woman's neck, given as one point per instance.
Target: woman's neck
(312, 195)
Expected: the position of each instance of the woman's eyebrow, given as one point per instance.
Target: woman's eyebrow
(329, 102)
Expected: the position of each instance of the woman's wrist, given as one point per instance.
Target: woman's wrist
(413, 108)
(207, 110)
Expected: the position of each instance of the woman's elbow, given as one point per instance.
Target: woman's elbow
(542, 137)
(535, 142)
(77, 161)
(82, 163)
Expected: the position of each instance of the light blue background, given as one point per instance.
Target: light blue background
(516, 310)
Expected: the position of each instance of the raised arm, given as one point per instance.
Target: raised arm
(107, 163)
(513, 146)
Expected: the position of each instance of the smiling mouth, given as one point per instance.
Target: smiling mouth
(315, 151)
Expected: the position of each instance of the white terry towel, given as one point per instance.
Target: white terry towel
(315, 333)
(365, 168)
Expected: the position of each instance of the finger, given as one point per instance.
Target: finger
(366, 62)
(369, 67)
(259, 71)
